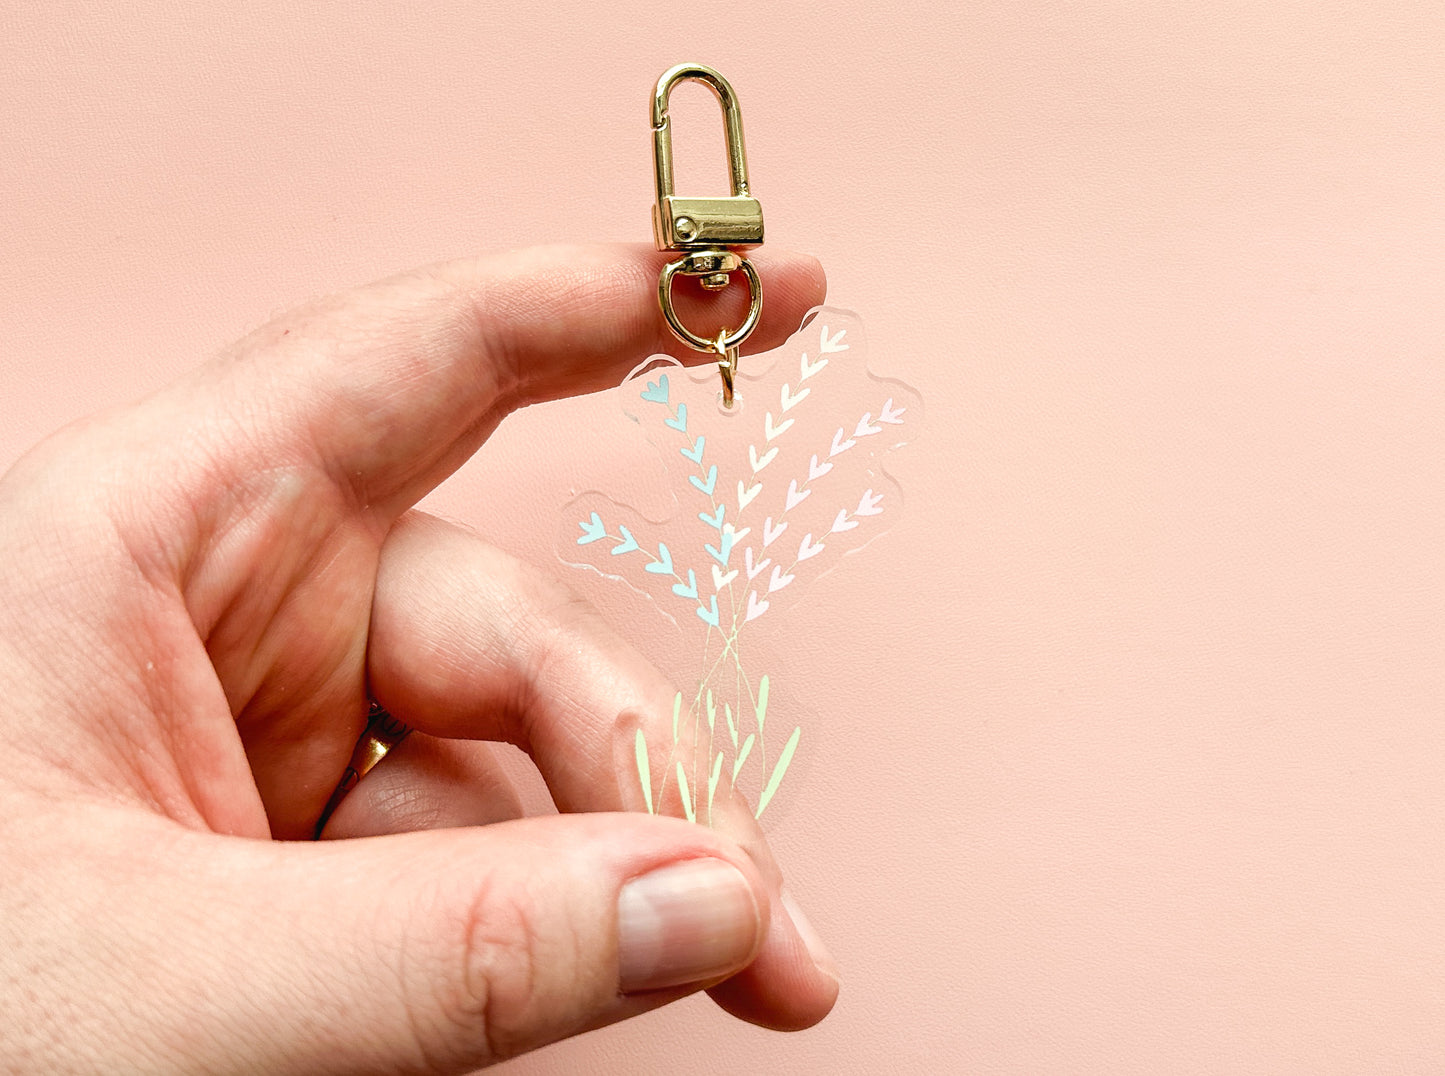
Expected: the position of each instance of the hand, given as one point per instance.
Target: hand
(197, 593)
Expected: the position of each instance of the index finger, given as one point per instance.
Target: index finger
(392, 386)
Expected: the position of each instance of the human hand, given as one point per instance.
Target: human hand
(197, 593)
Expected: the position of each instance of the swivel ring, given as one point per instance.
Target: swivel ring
(702, 343)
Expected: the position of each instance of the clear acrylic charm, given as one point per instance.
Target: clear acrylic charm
(768, 495)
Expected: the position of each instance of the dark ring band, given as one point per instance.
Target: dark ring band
(383, 732)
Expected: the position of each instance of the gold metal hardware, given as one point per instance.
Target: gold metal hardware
(707, 232)
(734, 337)
(727, 364)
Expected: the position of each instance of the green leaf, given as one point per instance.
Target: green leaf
(732, 725)
(781, 768)
(712, 782)
(743, 755)
(686, 798)
(676, 710)
(711, 710)
(762, 708)
(644, 771)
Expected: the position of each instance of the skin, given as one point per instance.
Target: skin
(197, 593)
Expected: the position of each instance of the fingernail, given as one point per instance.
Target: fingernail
(685, 923)
(816, 949)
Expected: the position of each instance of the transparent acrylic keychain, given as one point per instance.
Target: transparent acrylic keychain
(774, 468)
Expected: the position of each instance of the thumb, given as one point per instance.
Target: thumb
(449, 950)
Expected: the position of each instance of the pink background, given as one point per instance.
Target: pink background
(1134, 758)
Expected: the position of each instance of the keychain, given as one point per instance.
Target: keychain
(708, 232)
(774, 480)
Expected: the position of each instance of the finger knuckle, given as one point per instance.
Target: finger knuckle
(553, 605)
(557, 621)
(496, 991)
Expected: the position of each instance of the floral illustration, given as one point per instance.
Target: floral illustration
(769, 495)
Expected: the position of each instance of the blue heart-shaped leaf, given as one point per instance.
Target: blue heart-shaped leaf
(688, 589)
(592, 530)
(723, 551)
(627, 545)
(708, 486)
(709, 616)
(663, 564)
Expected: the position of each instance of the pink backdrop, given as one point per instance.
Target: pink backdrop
(1134, 757)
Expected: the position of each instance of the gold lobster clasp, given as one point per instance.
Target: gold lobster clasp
(707, 232)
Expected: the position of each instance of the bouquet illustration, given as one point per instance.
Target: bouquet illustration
(768, 495)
